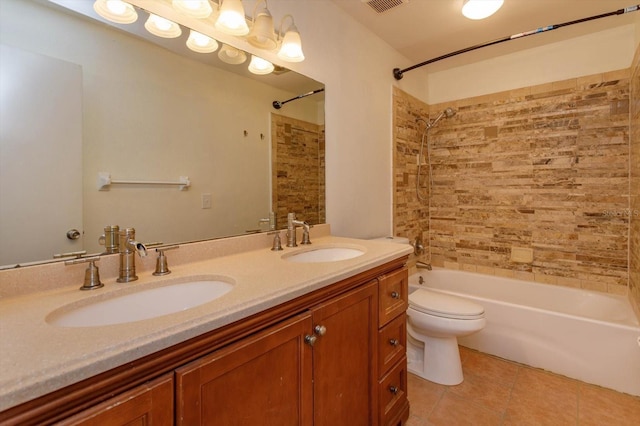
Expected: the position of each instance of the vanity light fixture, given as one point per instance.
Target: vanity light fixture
(116, 11)
(194, 8)
(162, 27)
(262, 34)
(480, 9)
(231, 55)
(231, 19)
(291, 48)
(201, 43)
(260, 66)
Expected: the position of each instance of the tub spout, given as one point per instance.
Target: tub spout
(423, 265)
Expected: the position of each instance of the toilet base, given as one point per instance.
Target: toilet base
(437, 359)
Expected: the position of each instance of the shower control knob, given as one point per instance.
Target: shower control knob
(320, 330)
(310, 340)
(394, 342)
(395, 295)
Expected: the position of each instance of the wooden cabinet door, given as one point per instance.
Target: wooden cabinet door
(264, 379)
(345, 359)
(150, 404)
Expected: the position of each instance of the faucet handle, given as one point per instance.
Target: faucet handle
(277, 243)
(91, 275)
(162, 267)
(305, 234)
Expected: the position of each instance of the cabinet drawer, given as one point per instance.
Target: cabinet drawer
(392, 393)
(148, 404)
(393, 295)
(392, 343)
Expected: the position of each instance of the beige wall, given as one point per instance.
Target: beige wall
(634, 237)
(590, 54)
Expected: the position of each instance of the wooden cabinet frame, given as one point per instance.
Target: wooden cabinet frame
(85, 394)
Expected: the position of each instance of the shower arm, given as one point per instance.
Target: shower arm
(399, 73)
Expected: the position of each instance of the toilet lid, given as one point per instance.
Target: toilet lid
(444, 305)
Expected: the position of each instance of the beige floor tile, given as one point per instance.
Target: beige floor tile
(540, 398)
(453, 410)
(492, 395)
(600, 406)
(423, 395)
(490, 368)
(546, 383)
(500, 392)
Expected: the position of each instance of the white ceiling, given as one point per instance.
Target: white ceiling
(425, 29)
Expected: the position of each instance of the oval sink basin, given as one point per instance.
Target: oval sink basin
(141, 305)
(324, 254)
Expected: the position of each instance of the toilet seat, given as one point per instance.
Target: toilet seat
(444, 305)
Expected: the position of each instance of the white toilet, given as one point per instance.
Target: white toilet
(435, 320)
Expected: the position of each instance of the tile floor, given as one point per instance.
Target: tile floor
(500, 392)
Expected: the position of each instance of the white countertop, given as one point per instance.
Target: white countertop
(37, 358)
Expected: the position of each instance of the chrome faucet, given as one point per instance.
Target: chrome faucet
(423, 265)
(127, 248)
(292, 224)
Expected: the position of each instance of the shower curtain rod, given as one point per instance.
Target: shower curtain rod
(278, 104)
(398, 73)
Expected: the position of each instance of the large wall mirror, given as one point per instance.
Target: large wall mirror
(83, 101)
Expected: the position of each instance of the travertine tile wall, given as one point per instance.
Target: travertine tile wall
(543, 168)
(634, 187)
(298, 158)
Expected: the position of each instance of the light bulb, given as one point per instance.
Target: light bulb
(116, 11)
(193, 8)
(201, 43)
(162, 27)
(231, 19)
(291, 49)
(260, 66)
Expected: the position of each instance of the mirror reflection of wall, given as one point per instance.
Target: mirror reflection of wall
(151, 114)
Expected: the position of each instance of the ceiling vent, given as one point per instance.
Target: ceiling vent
(381, 6)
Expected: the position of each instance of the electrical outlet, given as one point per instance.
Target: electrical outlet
(206, 201)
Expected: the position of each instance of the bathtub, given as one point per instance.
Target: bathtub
(590, 336)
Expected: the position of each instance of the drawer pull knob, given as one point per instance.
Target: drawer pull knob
(393, 389)
(320, 330)
(310, 340)
(394, 342)
(395, 295)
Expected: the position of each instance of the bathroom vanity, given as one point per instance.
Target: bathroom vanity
(294, 343)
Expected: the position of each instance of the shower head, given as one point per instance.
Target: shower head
(447, 113)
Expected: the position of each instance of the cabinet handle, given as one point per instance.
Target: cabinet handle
(395, 295)
(320, 330)
(310, 340)
(394, 342)
(393, 389)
